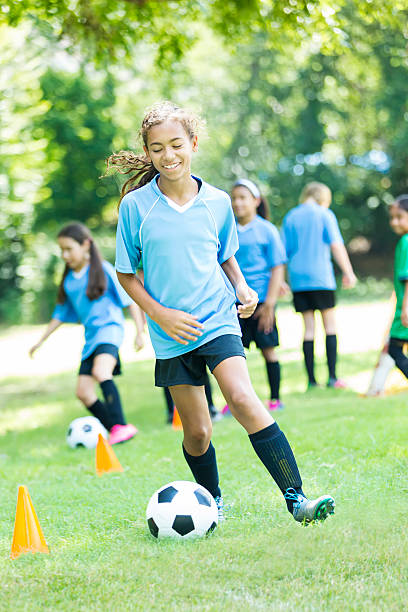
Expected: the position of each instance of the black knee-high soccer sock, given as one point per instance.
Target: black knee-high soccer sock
(113, 403)
(308, 352)
(273, 449)
(169, 402)
(331, 353)
(396, 352)
(204, 469)
(273, 371)
(98, 409)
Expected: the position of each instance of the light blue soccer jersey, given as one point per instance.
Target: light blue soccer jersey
(260, 249)
(308, 231)
(102, 318)
(183, 248)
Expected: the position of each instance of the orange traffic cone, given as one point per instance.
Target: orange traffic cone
(27, 536)
(176, 424)
(106, 460)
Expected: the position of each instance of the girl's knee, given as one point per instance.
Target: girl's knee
(199, 437)
(242, 399)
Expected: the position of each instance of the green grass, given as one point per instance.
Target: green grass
(103, 557)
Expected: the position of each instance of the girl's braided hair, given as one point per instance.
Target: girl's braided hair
(127, 162)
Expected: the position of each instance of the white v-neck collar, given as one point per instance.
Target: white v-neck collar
(81, 272)
(247, 226)
(180, 208)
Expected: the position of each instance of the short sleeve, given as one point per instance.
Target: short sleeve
(227, 235)
(275, 251)
(332, 232)
(402, 270)
(128, 251)
(65, 312)
(115, 288)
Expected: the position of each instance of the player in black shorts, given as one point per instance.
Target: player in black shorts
(311, 235)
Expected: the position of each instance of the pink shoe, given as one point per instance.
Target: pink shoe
(121, 433)
(274, 405)
(226, 411)
(337, 383)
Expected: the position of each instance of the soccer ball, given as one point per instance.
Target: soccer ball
(84, 432)
(181, 509)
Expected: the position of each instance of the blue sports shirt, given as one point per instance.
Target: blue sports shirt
(260, 249)
(102, 318)
(182, 247)
(308, 231)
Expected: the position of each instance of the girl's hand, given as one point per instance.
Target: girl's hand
(139, 342)
(33, 349)
(266, 318)
(179, 325)
(248, 298)
(404, 317)
(349, 280)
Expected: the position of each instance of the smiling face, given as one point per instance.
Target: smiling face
(170, 149)
(244, 204)
(75, 255)
(398, 219)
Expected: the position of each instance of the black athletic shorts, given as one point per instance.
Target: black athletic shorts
(320, 299)
(251, 333)
(190, 368)
(87, 364)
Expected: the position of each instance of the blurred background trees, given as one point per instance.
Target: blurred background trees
(291, 92)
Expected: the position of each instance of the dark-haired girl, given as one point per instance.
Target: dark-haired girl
(261, 257)
(399, 327)
(90, 293)
(185, 231)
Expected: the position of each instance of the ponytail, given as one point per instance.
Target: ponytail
(126, 162)
(97, 283)
(263, 208)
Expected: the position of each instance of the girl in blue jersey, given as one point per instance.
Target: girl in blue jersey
(185, 230)
(311, 235)
(261, 257)
(90, 293)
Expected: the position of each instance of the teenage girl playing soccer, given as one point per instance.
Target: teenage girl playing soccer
(261, 257)
(186, 231)
(399, 327)
(89, 292)
(311, 234)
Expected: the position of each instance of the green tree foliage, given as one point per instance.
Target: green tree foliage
(79, 130)
(109, 30)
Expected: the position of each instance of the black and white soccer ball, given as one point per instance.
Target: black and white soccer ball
(84, 432)
(181, 509)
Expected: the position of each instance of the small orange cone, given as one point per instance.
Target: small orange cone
(27, 536)
(176, 424)
(106, 460)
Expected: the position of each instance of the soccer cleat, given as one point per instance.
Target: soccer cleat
(312, 385)
(273, 405)
(337, 383)
(121, 433)
(220, 505)
(307, 511)
(226, 411)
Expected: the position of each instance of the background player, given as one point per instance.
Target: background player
(311, 234)
(261, 257)
(89, 292)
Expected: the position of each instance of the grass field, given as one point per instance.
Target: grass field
(103, 557)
